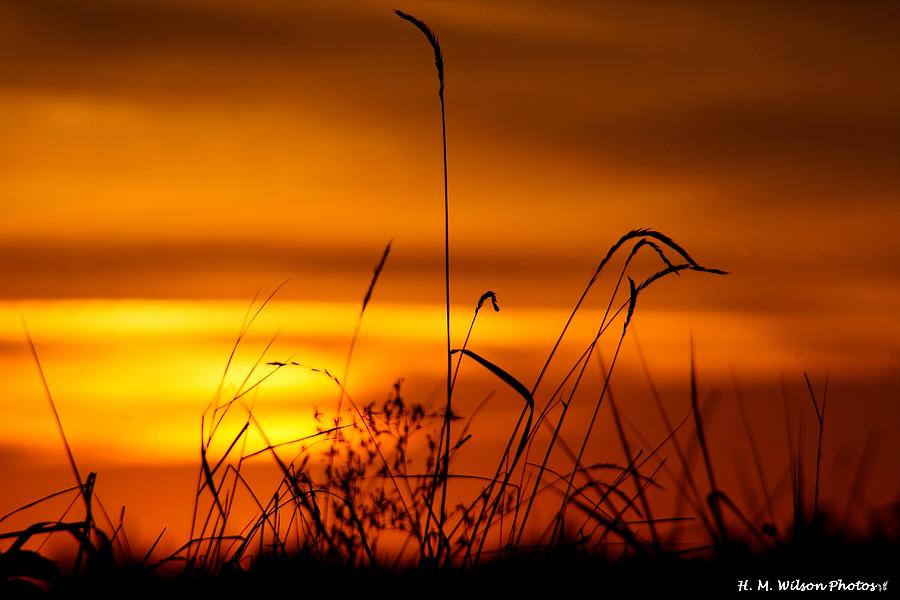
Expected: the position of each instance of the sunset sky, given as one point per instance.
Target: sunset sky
(162, 161)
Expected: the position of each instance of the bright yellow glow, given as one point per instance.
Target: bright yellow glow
(152, 366)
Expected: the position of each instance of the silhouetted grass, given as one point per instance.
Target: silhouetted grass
(373, 509)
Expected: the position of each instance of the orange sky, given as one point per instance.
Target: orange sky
(161, 161)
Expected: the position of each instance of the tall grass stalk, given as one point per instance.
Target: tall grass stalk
(348, 361)
(444, 464)
(820, 422)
